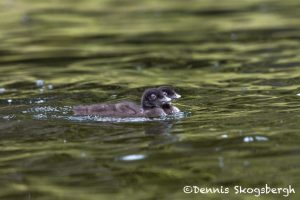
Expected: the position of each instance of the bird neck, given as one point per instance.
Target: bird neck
(167, 106)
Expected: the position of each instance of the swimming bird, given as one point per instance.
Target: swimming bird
(169, 92)
(152, 102)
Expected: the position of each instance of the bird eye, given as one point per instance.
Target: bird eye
(153, 96)
(165, 93)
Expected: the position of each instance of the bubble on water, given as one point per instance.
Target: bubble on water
(261, 138)
(255, 138)
(2, 90)
(49, 109)
(40, 83)
(132, 157)
(9, 101)
(44, 109)
(40, 101)
(248, 139)
(224, 136)
(50, 87)
(8, 117)
(40, 116)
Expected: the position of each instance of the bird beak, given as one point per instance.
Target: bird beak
(176, 96)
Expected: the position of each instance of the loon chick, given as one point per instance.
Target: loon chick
(151, 107)
(170, 93)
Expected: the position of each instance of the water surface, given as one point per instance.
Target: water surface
(235, 63)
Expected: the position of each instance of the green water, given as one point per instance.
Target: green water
(235, 63)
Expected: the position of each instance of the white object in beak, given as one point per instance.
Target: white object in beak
(167, 99)
(177, 96)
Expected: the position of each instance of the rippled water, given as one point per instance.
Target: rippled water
(235, 63)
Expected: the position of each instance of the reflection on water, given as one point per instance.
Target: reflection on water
(132, 157)
(235, 63)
